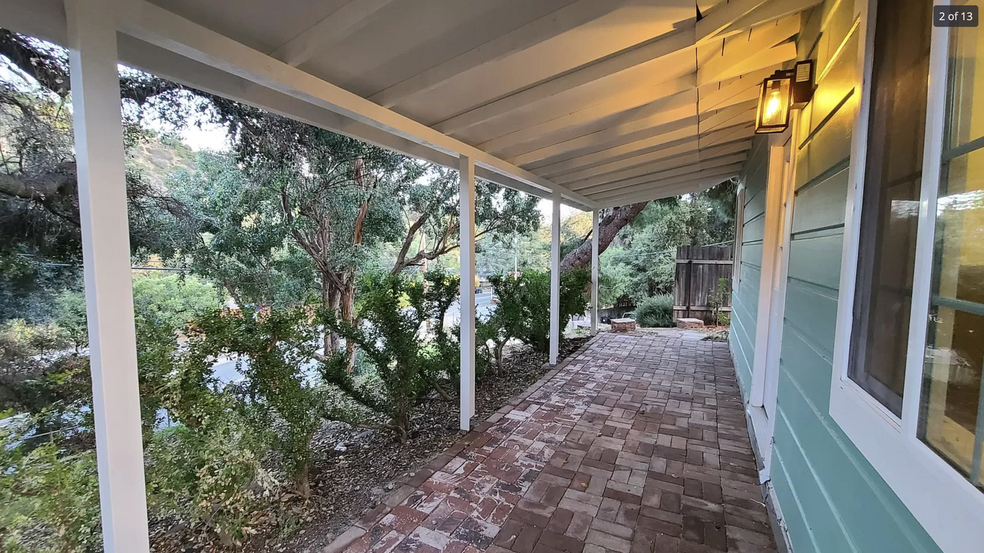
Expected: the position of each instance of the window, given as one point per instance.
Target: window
(889, 212)
(951, 417)
(907, 386)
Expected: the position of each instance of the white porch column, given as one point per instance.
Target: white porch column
(466, 220)
(555, 329)
(594, 272)
(108, 288)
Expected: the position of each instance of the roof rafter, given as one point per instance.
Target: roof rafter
(669, 135)
(721, 16)
(569, 17)
(333, 29)
(590, 114)
(773, 9)
(612, 136)
(678, 147)
(740, 56)
(671, 190)
(620, 61)
(737, 90)
(618, 187)
(669, 162)
(729, 116)
(645, 189)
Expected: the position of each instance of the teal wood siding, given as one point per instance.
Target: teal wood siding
(830, 497)
(744, 296)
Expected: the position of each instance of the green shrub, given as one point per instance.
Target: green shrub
(164, 300)
(173, 300)
(210, 475)
(655, 312)
(48, 496)
(718, 297)
(440, 291)
(523, 311)
(406, 366)
(509, 320)
(272, 349)
(71, 317)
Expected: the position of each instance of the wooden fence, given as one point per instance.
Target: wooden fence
(698, 269)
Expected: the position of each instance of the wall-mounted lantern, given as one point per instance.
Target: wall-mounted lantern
(785, 90)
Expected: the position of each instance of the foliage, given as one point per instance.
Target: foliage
(29, 288)
(523, 311)
(717, 299)
(655, 311)
(172, 300)
(39, 209)
(432, 209)
(440, 292)
(274, 349)
(44, 490)
(507, 322)
(394, 309)
(497, 255)
(71, 317)
(211, 475)
(233, 233)
(38, 379)
(641, 260)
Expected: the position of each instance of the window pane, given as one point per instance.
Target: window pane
(952, 412)
(889, 210)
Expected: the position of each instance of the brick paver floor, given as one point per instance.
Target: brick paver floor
(637, 443)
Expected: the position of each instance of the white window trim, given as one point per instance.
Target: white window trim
(780, 189)
(948, 506)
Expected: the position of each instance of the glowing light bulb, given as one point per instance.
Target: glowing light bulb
(772, 105)
(773, 108)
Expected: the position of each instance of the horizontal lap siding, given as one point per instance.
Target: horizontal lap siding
(744, 298)
(831, 499)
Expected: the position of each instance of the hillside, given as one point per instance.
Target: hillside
(157, 157)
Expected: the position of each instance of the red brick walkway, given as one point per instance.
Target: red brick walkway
(637, 443)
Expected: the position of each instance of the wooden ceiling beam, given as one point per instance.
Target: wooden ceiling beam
(680, 179)
(669, 162)
(591, 114)
(670, 135)
(690, 163)
(333, 29)
(721, 16)
(611, 136)
(539, 30)
(668, 191)
(629, 58)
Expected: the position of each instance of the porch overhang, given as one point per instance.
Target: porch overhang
(605, 102)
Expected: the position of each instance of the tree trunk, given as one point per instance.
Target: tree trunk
(329, 299)
(608, 228)
(302, 481)
(348, 315)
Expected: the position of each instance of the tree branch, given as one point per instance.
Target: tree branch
(608, 229)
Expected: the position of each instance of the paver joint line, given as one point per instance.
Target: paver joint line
(634, 443)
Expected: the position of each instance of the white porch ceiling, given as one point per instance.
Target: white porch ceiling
(607, 101)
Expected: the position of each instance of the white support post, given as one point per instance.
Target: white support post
(595, 266)
(555, 329)
(106, 261)
(467, 256)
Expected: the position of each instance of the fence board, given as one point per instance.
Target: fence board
(698, 269)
